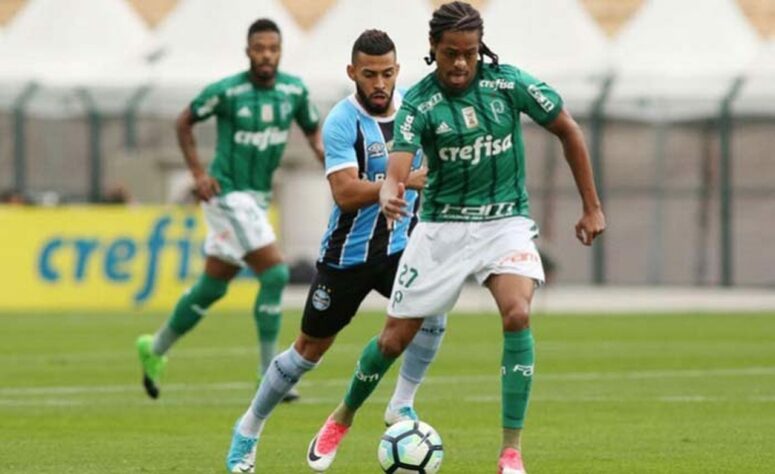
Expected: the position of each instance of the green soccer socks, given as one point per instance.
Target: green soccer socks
(189, 310)
(517, 377)
(372, 365)
(266, 310)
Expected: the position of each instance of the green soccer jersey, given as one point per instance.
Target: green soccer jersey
(252, 126)
(473, 142)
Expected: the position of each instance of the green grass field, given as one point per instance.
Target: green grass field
(675, 393)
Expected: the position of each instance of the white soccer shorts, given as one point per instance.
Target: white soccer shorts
(236, 225)
(441, 255)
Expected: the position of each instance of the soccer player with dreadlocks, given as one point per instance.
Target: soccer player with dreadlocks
(474, 220)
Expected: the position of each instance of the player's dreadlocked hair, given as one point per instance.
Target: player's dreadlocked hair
(458, 16)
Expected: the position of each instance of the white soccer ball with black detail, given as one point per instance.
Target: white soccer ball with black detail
(410, 447)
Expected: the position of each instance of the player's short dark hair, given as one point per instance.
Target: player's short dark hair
(373, 43)
(263, 24)
(458, 16)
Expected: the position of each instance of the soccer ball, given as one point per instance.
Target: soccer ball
(410, 446)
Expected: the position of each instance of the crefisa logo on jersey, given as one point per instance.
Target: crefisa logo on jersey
(321, 298)
(406, 128)
(498, 83)
(486, 146)
(263, 139)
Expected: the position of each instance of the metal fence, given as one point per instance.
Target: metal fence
(662, 185)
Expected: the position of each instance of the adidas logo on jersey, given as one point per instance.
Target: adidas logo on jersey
(443, 128)
(482, 147)
(244, 112)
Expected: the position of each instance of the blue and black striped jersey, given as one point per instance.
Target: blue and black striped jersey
(354, 139)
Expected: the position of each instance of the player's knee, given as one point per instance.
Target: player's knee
(516, 316)
(275, 277)
(312, 348)
(393, 343)
(391, 346)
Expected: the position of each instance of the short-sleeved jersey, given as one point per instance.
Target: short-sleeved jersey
(252, 128)
(473, 142)
(353, 138)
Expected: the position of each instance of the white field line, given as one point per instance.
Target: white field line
(198, 353)
(140, 400)
(440, 380)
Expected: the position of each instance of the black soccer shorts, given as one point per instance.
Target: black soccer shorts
(336, 294)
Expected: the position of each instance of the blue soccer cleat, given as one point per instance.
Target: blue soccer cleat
(401, 414)
(242, 453)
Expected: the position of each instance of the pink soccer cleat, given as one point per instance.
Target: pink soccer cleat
(322, 449)
(511, 462)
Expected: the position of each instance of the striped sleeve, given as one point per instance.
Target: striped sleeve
(339, 134)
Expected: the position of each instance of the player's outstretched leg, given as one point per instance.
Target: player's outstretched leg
(283, 373)
(417, 358)
(188, 312)
(369, 370)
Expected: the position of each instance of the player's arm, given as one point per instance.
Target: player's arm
(349, 191)
(544, 105)
(592, 222)
(206, 185)
(339, 134)
(315, 140)
(391, 196)
(352, 193)
(407, 137)
(308, 118)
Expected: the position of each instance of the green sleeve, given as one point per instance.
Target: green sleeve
(536, 98)
(408, 128)
(307, 115)
(212, 100)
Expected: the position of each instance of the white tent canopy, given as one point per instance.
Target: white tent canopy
(757, 95)
(677, 60)
(79, 44)
(327, 52)
(555, 40)
(203, 42)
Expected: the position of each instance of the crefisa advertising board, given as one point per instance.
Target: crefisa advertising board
(105, 258)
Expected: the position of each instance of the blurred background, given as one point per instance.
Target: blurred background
(677, 99)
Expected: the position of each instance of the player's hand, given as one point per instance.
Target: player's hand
(394, 207)
(417, 179)
(206, 186)
(591, 224)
